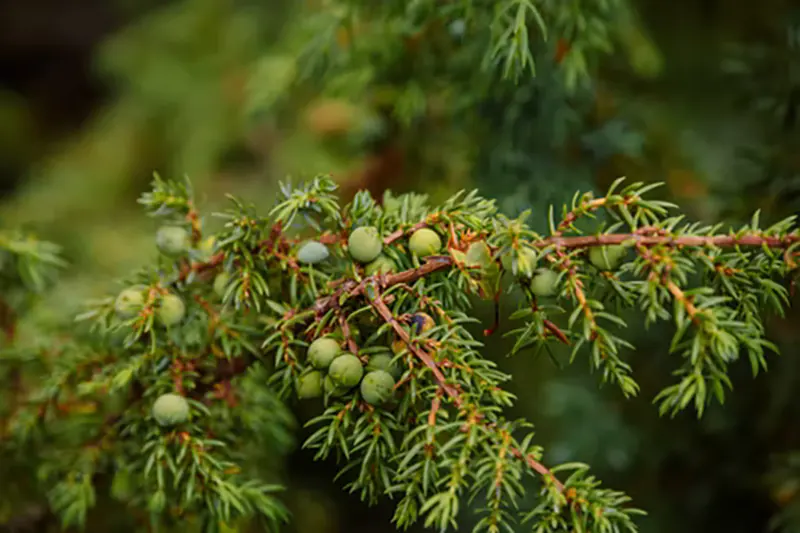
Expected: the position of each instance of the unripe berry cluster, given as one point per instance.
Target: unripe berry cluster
(174, 242)
(331, 370)
(170, 309)
(326, 304)
(542, 282)
(365, 247)
(335, 373)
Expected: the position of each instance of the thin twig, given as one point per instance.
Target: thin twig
(721, 241)
(385, 313)
(353, 288)
(399, 234)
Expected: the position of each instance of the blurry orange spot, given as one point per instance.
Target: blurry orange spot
(413, 42)
(376, 173)
(685, 183)
(343, 37)
(562, 49)
(84, 408)
(330, 117)
(785, 493)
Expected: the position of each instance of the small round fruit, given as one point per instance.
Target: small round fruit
(130, 301)
(381, 265)
(607, 257)
(365, 244)
(221, 284)
(422, 322)
(384, 362)
(425, 242)
(171, 310)
(377, 387)
(544, 282)
(332, 388)
(346, 370)
(170, 410)
(312, 252)
(173, 240)
(526, 262)
(330, 117)
(322, 352)
(310, 385)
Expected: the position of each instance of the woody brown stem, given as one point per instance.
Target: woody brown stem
(722, 241)
(352, 288)
(397, 235)
(556, 331)
(199, 268)
(385, 313)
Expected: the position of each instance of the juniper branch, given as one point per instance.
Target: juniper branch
(310, 301)
(368, 286)
(385, 313)
(352, 288)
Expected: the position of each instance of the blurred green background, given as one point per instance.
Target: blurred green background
(703, 95)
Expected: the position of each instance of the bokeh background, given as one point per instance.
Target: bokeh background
(96, 95)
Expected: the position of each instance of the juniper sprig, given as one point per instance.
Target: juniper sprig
(178, 385)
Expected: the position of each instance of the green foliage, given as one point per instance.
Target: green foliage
(27, 266)
(515, 77)
(768, 85)
(515, 125)
(233, 367)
